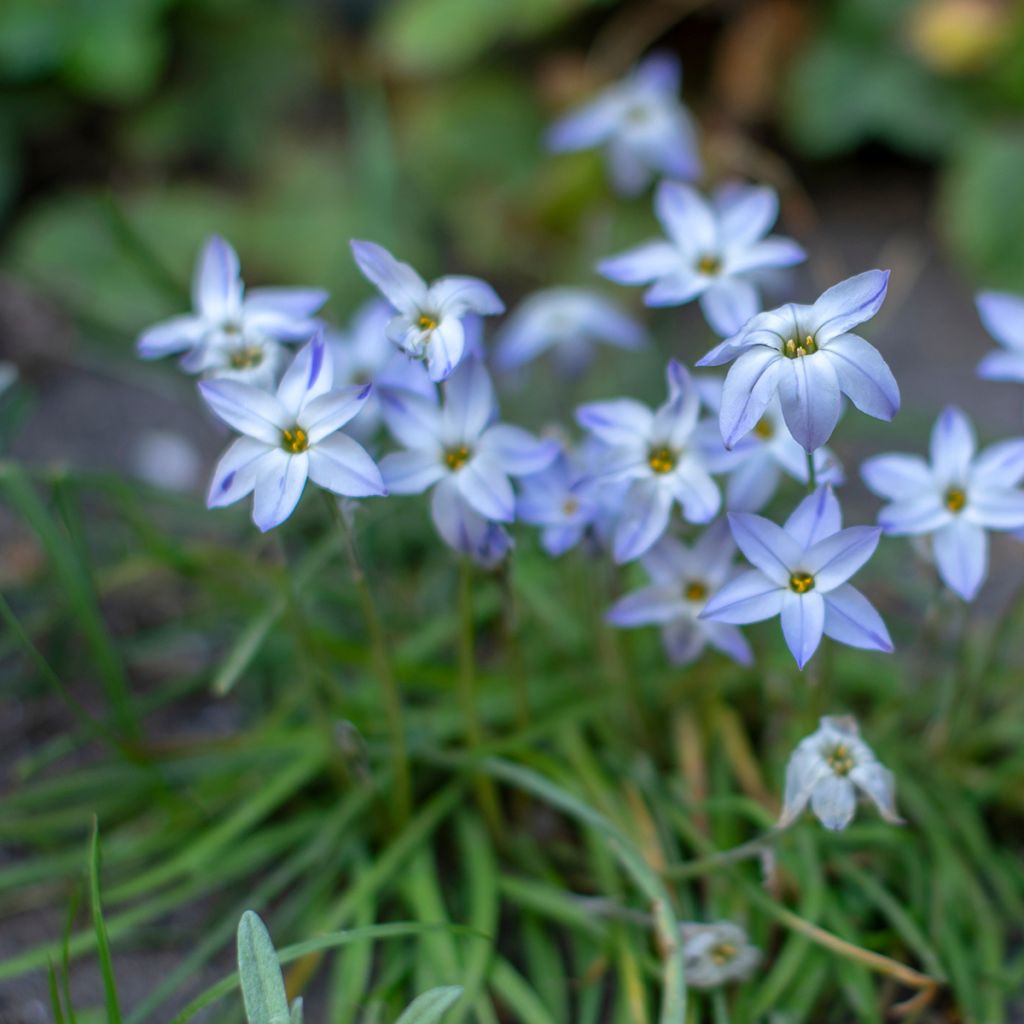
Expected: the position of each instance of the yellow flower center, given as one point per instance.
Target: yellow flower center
(695, 591)
(295, 440)
(426, 322)
(246, 357)
(764, 429)
(456, 458)
(723, 953)
(801, 582)
(956, 498)
(839, 759)
(794, 351)
(661, 460)
(709, 265)
(570, 507)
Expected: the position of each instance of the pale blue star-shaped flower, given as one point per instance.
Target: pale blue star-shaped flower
(713, 252)
(655, 451)
(807, 356)
(552, 500)
(362, 354)
(640, 123)
(233, 332)
(1002, 315)
(717, 953)
(463, 455)
(954, 499)
(756, 465)
(289, 437)
(428, 324)
(566, 321)
(800, 574)
(828, 769)
(682, 581)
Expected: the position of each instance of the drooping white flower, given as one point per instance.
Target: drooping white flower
(828, 769)
(232, 332)
(682, 580)
(655, 451)
(954, 499)
(640, 123)
(714, 252)
(567, 322)
(428, 324)
(289, 437)
(716, 954)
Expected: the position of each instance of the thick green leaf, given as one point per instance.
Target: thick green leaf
(431, 1006)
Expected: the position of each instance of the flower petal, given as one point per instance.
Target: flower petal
(236, 472)
(516, 450)
(766, 546)
(469, 403)
(851, 619)
(397, 281)
(171, 336)
(729, 304)
(642, 520)
(1002, 366)
(278, 488)
(1002, 315)
(586, 127)
(924, 513)
(896, 476)
(803, 621)
(750, 385)
(834, 801)
(810, 396)
(864, 376)
(411, 472)
(833, 560)
(324, 415)
(696, 491)
(848, 303)
(879, 784)
(1000, 465)
(643, 263)
(996, 508)
(952, 446)
(653, 605)
(343, 466)
(729, 640)
(772, 252)
(750, 597)
(414, 419)
(484, 485)
(445, 346)
(216, 289)
(816, 517)
(249, 410)
(746, 214)
(616, 422)
(961, 554)
(456, 295)
(287, 303)
(310, 375)
(687, 218)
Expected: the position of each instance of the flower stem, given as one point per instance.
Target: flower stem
(812, 474)
(468, 695)
(390, 696)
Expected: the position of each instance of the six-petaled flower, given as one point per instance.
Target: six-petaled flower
(641, 124)
(954, 499)
(428, 324)
(713, 252)
(801, 572)
(828, 769)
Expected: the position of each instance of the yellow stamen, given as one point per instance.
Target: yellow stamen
(426, 322)
(695, 591)
(723, 953)
(570, 507)
(764, 429)
(709, 265)
(246, 357)
(795, 351)
(801, 582)
(956, 498)
(661, 460)
(456, 458)
(295, 440)
(839, 759)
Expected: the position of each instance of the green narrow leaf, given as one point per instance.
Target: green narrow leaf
(259, 973)
(295, 1016)
(431, 1006)
(51, 978)
(102, 942)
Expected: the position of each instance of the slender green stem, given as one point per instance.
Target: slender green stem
(812, 474)
(510, 638)
(468, 695)
(391, 697)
